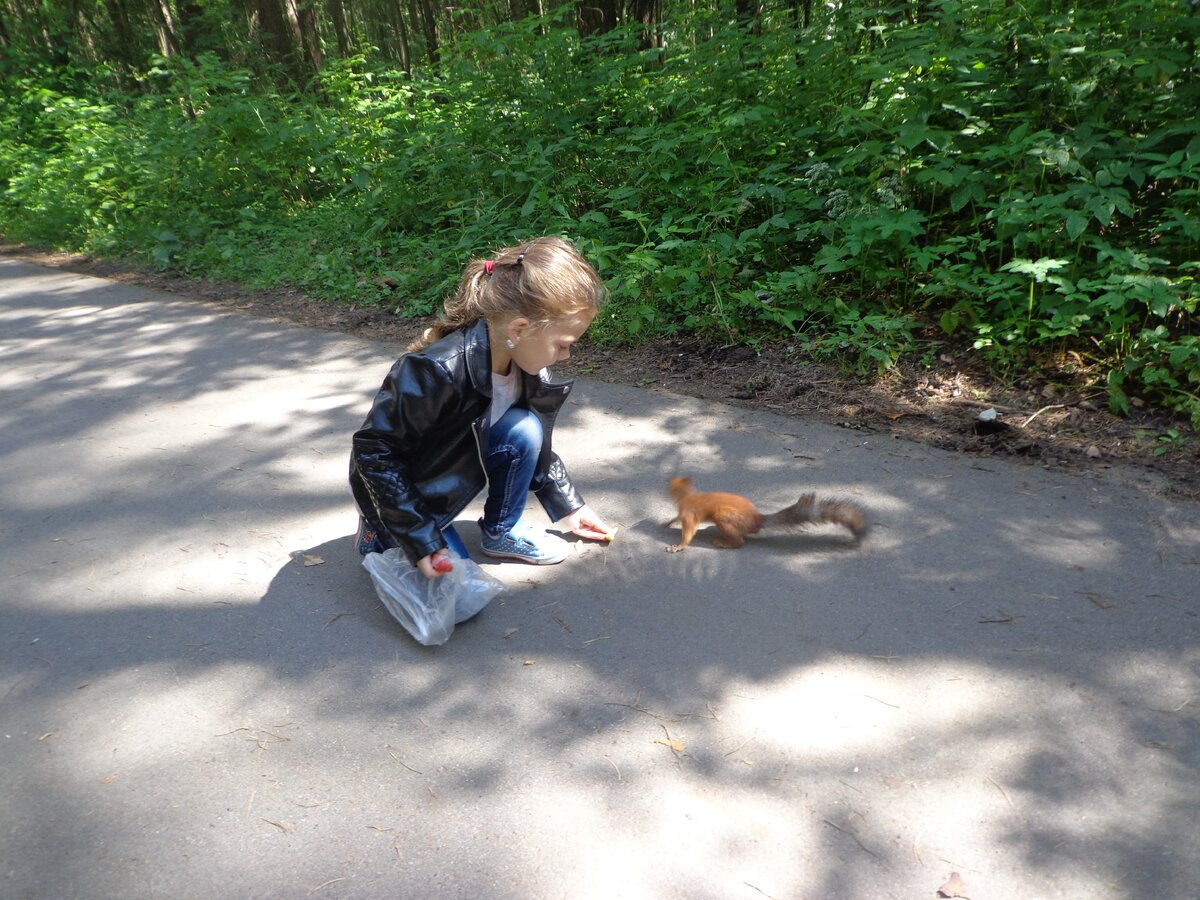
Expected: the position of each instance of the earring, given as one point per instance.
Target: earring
(508, 342)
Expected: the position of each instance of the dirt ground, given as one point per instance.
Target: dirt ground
(1062, 424)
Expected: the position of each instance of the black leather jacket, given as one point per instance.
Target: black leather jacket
(416, 462)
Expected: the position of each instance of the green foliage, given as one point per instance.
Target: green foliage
(1174, 440)
(1020, 180)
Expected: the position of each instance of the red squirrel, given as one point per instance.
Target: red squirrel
(736, 517)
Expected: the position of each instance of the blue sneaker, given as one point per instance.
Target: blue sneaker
(366, 540)
(526, 543)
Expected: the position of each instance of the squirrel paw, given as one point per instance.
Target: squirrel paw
(675, 548)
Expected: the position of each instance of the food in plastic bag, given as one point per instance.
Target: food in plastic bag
(429, 608)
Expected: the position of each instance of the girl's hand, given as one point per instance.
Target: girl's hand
(436, 564)
(585, 523)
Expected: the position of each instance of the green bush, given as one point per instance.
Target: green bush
(1023, 182)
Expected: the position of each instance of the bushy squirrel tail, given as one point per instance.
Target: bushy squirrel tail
(808, 510)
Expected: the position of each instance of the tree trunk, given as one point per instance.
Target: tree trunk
(83, 29)
(337, 16)
(596, 16)
(123, 36)
(269, 23)
(649, 14)
(423, 14)
(165, 28)
(399, 36)
(805, 13)
(303, 21)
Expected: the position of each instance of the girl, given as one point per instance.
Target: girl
(473, 406)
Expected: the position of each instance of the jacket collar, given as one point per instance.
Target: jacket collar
(477, 349)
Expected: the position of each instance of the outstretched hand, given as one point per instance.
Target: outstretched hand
(585, 523)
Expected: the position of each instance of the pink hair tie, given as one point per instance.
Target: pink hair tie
(488, 265)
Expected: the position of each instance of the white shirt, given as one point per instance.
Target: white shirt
(505, 390)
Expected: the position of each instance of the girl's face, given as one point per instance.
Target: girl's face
(538, 347)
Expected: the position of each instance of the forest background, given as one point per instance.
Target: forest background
(871, 182)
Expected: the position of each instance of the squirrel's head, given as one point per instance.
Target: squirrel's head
(680, 487)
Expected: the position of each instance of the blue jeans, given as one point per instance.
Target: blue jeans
(514, 445)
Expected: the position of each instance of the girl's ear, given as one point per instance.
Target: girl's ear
(516, 328)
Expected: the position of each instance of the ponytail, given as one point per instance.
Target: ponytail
(463, 308)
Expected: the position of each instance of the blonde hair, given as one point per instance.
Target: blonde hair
(544, 280)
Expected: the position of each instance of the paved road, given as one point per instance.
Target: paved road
(1003, 681)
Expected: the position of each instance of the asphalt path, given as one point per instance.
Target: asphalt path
(202, 697)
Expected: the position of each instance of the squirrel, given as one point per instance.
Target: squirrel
(736, 517)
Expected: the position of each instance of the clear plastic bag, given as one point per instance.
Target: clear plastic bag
(429, 608)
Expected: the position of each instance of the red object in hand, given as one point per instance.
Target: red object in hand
(442, 564)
